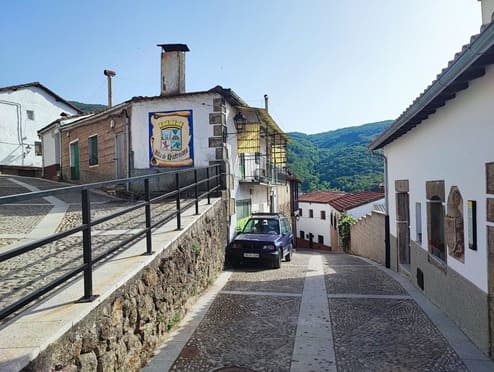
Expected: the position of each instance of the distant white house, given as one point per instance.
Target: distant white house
(23, 110)
(320, 211)
(440, 166)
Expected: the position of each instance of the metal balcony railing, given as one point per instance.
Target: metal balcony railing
(259, 168)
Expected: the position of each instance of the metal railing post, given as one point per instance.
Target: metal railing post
(86, 247)
(196, 191)
(207, 183)
(147, 208)
(179, 220)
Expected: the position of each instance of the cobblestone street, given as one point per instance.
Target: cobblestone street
(319, 312)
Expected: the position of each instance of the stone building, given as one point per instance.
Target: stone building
(179, 129)
(24, 109)
(440, 177)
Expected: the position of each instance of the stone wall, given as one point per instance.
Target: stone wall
(367, 237)
(122, 332)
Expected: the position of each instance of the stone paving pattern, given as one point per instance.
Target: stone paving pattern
(249, 331)
(388, 335)
(254, 329)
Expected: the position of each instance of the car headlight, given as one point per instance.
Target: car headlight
(268, 247)
(236, 245)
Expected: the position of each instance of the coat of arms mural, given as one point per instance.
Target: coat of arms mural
(170, 139)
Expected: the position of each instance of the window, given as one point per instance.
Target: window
(37, 148)
(320, 239)
(472, 224)
(30, 114)
(418, 222)
(302, 234)
(300, 212)
(93, 150)
(285, 226)
(311, 213)
(436, 223)
(323, 215)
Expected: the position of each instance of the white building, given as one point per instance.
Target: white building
(440, 167)
(180, 129)
(320, 211)
(23, 110)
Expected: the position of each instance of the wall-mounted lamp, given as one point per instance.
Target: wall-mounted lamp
(112, 123)
(240, 122)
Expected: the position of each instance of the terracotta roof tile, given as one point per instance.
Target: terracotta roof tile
(353, 200)
(320, 196)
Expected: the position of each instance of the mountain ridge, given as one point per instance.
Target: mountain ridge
(337, 160)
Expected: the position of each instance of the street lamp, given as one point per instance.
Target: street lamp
(240, 122)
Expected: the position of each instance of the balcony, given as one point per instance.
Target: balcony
(260, 169)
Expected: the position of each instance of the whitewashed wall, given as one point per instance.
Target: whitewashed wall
(452, 145)
(364, 209)
(201, 106)
(315, 225)
(46, 109)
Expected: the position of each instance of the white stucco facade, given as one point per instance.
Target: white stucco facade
(315, 225)
(454, 144)
(22, 113)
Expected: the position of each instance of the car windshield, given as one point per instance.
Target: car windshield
(262, 226)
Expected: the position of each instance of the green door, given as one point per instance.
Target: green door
(74, 161)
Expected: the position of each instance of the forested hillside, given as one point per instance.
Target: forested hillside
(88, 107)
(337, 160)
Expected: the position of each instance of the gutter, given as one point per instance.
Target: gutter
(467, 57)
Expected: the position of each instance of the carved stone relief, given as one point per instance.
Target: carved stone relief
(454, 225)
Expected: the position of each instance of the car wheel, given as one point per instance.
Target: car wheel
(235, 263)
(277, 263)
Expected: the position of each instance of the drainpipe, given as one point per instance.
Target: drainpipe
(127, 144)
(387, 245)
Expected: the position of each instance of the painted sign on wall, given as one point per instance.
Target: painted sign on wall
(170, 139)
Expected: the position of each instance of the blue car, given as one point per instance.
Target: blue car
(264, 238)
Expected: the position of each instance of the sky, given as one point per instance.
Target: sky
(325, 64)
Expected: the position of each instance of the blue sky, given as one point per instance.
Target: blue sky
(325, 64)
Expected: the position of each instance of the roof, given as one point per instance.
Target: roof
(36, 84)
(174, 47)
(354, 200)
(262, 115)
(66, 120)
(469, 64)
(228, 94)
(320, 196)
(341, 201)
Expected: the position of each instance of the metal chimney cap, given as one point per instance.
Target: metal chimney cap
(109, 73)
(174, 47)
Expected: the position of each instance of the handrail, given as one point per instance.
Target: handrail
(213, 175)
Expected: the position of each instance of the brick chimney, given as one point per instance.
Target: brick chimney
(487, 11)
(173, 68)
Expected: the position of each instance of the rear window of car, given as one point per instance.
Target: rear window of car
(262, 226)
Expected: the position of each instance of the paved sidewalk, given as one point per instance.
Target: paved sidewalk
(320, 312)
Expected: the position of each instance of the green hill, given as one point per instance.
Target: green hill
(337, 160)
(88, 107)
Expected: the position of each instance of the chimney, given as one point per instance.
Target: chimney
(266, 99)
(487, 11)
(109, 74)
(173, 68)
